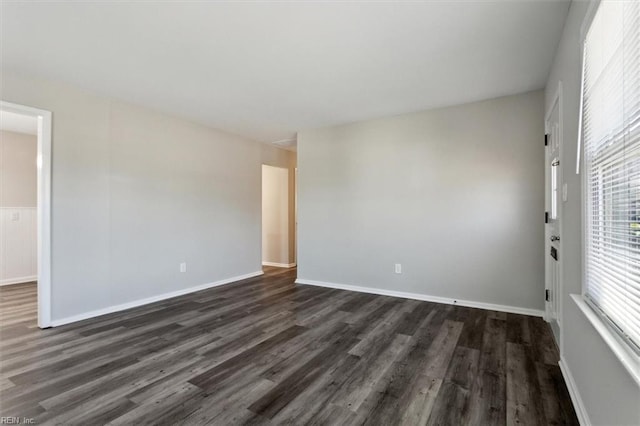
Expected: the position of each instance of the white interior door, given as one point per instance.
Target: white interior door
(554, 191)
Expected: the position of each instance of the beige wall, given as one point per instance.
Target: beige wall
(275, 215)
(18, 172)
(283, 158)
(455, 195)
(18, 201)
(136, 192)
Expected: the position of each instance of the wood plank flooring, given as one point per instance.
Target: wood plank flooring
(265, 351)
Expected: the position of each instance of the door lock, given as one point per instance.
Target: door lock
(555, 238)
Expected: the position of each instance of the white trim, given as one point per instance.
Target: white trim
(44, 206)
(584, 29)
(578, 405)
(557, 97)
(580, 113)
(279, 265)
(19, 280)
(152, 299)
(426, 297)
(629, 360)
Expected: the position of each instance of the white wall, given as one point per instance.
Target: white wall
(455, 195)
(136, 192)
(609, 394)
(18, 199)
(275, 215)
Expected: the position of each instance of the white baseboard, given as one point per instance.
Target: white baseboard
(136, 303)
(427, 298)
(578, 405)
(19, 280)
(279, 265)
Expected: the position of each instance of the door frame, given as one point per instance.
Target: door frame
(557, 100)
(44, 205)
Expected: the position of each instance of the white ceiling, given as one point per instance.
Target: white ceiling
(18, 123)
(268, 69)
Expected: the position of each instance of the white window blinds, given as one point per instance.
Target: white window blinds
(611, 138)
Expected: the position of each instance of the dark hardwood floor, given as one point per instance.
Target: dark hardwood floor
(265, 351)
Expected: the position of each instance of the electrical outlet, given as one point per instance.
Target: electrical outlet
(398, 268)
(183, 267)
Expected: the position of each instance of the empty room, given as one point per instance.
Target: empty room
(320, 212)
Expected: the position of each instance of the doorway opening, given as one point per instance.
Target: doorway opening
(25, 206)
(278, 217)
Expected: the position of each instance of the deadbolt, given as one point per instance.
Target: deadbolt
(555, 238)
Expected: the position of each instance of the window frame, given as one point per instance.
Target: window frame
(554, 190)
(608, 330)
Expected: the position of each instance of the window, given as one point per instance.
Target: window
(611, 139)
(554, 188)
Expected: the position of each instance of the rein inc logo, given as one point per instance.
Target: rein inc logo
(17, 421)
